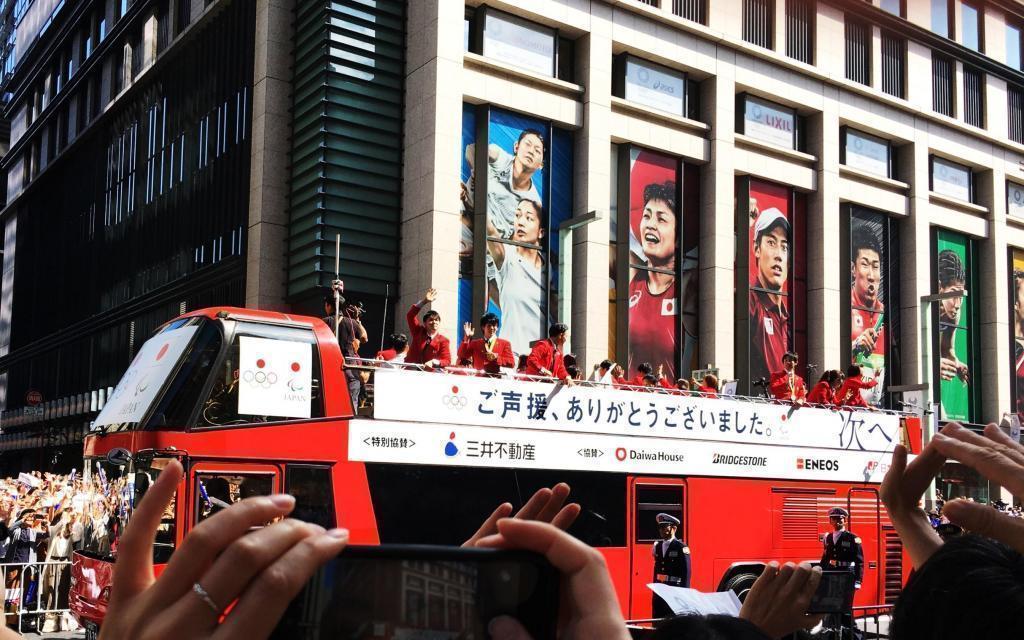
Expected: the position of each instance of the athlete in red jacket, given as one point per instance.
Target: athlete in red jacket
(426, 345)
(824, 393)
(489, 353)
(786, 384)
(546, 357)
(849, 394)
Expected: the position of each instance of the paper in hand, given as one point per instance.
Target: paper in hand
(690, 601)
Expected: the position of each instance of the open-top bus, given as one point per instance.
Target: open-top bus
(255, 402)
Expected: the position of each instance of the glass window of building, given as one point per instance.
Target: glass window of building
(1013, 44)
(767, 121)
(942, 85)
(940, 17)
(894, 65)
(650, 84)
(1015, 114)
(695, 10)
(759, 22)
(866, 152)
(951, 179)
(970, 26)
(800, 30)
(974, 97)
(517, 42)
(858, 50)
(895, 7)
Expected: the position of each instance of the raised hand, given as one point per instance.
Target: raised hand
(545, 505)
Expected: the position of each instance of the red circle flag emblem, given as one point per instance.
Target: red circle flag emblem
(163, 350)
(261, 363)
(296, 367)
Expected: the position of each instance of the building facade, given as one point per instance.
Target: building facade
(147, 175)
(885, 133)
(684, 182)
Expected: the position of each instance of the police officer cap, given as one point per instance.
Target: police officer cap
(835, 512)
(664, 518)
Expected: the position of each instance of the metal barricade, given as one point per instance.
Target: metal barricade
(873, 621)
(33, 591)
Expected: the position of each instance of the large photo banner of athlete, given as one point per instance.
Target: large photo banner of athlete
(655, 240)
(770, 264)
(517, 210)
(869, 257)
(1017, 304)
(954, 358)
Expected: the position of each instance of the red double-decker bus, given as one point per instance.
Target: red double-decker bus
(255, 402)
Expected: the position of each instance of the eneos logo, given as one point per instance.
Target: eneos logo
(815, 464)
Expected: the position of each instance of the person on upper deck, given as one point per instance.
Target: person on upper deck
(787, 384)
(427, 346)
(824, 393)
(849, 394)
(709, 389)
(546, 357)
(489, 353)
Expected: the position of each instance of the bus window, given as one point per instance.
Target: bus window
(424, 504)
(218, 491)
(102, 506)
(314, 497)
(652, 500)
(222, 405)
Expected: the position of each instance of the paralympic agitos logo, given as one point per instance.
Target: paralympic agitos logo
(741, 461)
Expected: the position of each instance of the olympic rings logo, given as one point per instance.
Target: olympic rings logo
(455, 402)
(260, 378)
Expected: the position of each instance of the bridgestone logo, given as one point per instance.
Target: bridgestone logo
(743, 461)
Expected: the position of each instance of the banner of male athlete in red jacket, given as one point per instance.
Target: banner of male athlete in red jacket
(655, 238)
(771, 251)
(869, 254)
(1017, 300)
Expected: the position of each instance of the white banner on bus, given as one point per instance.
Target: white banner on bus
(274, 377)
(430, 397)
(145, 376)
(464, 446)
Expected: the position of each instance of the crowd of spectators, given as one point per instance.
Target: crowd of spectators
(43, 518)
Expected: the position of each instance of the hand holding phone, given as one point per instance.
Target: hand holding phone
(834, 593)
(410, 589)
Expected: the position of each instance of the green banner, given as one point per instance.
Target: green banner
(954, 357)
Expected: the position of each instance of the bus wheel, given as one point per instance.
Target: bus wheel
(741, 584)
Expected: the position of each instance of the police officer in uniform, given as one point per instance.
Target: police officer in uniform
(671, 561)
(843, 551)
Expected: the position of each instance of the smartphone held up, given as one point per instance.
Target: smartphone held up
(394, 592)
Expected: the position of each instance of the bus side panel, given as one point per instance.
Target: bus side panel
(618, 568)
(353, 505)
(730, 520)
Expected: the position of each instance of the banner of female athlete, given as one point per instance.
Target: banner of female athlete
(771, 250)
(869, 254)
(954, 354)
(1017, 301)
(517, 228)
(655, 238)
